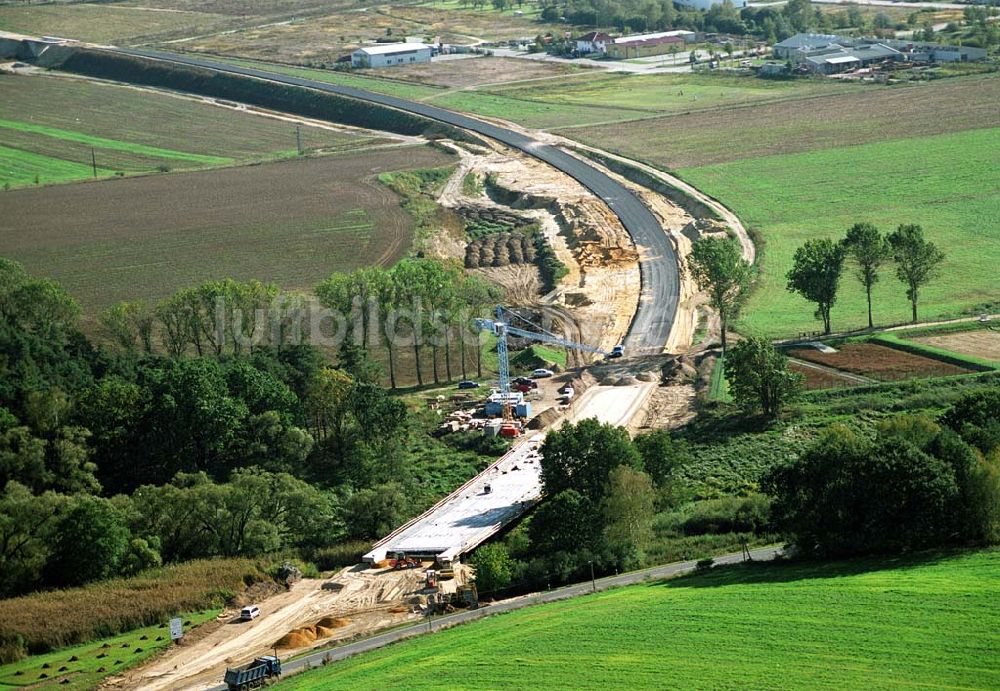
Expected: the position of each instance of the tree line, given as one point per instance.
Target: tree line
(818, 265)
(117, 458)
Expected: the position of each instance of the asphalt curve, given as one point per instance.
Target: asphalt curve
(347, 650)
(658, 266)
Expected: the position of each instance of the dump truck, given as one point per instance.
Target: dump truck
(253, 675)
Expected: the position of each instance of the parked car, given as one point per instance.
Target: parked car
(468, 384)
(617, 351)
(524, 381)
(249, 613)
(541, 373)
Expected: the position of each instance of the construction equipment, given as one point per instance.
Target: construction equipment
(430, 578)
(253, 675)
(501, 328)
(401, 561)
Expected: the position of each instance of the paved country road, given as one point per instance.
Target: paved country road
(342, 652)
(658, 266)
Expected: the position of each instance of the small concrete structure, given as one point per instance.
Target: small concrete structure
(389, 54)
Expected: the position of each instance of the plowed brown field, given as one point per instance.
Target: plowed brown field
(879, 362)
(291, 222)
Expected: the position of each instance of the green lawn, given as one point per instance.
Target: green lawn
(949, 184)
(666, 93)
(84, 666)
(927, 620)
(19, 168)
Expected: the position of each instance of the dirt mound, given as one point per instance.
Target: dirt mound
(293, 640)
(333, 622)
(398, 609)
(323, 632)
(544, 419)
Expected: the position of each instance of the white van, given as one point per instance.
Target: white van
(249, 613)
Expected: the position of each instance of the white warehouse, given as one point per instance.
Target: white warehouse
(388, 54)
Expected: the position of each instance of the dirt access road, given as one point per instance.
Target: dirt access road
(365, 600)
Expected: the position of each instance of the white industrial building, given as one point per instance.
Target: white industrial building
(389, 54)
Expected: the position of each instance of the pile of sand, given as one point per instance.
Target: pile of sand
(333, 622)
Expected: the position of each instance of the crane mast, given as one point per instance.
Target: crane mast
(500, 328)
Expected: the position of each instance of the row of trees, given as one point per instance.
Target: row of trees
(818, 265)
(417, 303)
(439, 300)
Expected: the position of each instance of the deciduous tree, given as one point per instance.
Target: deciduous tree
(759, 377)
(815, 275)
(720, 270)
(867, 250)
(917, 260)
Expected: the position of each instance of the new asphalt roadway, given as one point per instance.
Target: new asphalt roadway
(347, 650)
(658, 266)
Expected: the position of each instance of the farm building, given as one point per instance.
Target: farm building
(644, 45)
(388, 54)
(594, 42)
(829, 53)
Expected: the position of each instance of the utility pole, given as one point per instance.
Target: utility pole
(93, 161)
(298, 138)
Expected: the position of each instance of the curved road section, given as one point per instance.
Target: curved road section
(658, 266)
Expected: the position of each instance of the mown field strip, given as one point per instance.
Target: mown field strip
(112, 144)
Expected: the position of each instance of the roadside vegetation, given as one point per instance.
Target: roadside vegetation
(932, 614)
(82, 667)
(43, 622)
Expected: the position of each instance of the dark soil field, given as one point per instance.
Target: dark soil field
(291, 222)
(818, 379)
(879, 362)
(791, 126)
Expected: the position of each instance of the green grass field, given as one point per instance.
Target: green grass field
(84, 666)
(50, 127)
(927, 620)
(666, 93)
(949, 184)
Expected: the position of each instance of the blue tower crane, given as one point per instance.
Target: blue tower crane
(501, 328)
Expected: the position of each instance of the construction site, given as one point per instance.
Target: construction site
(624, 313)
